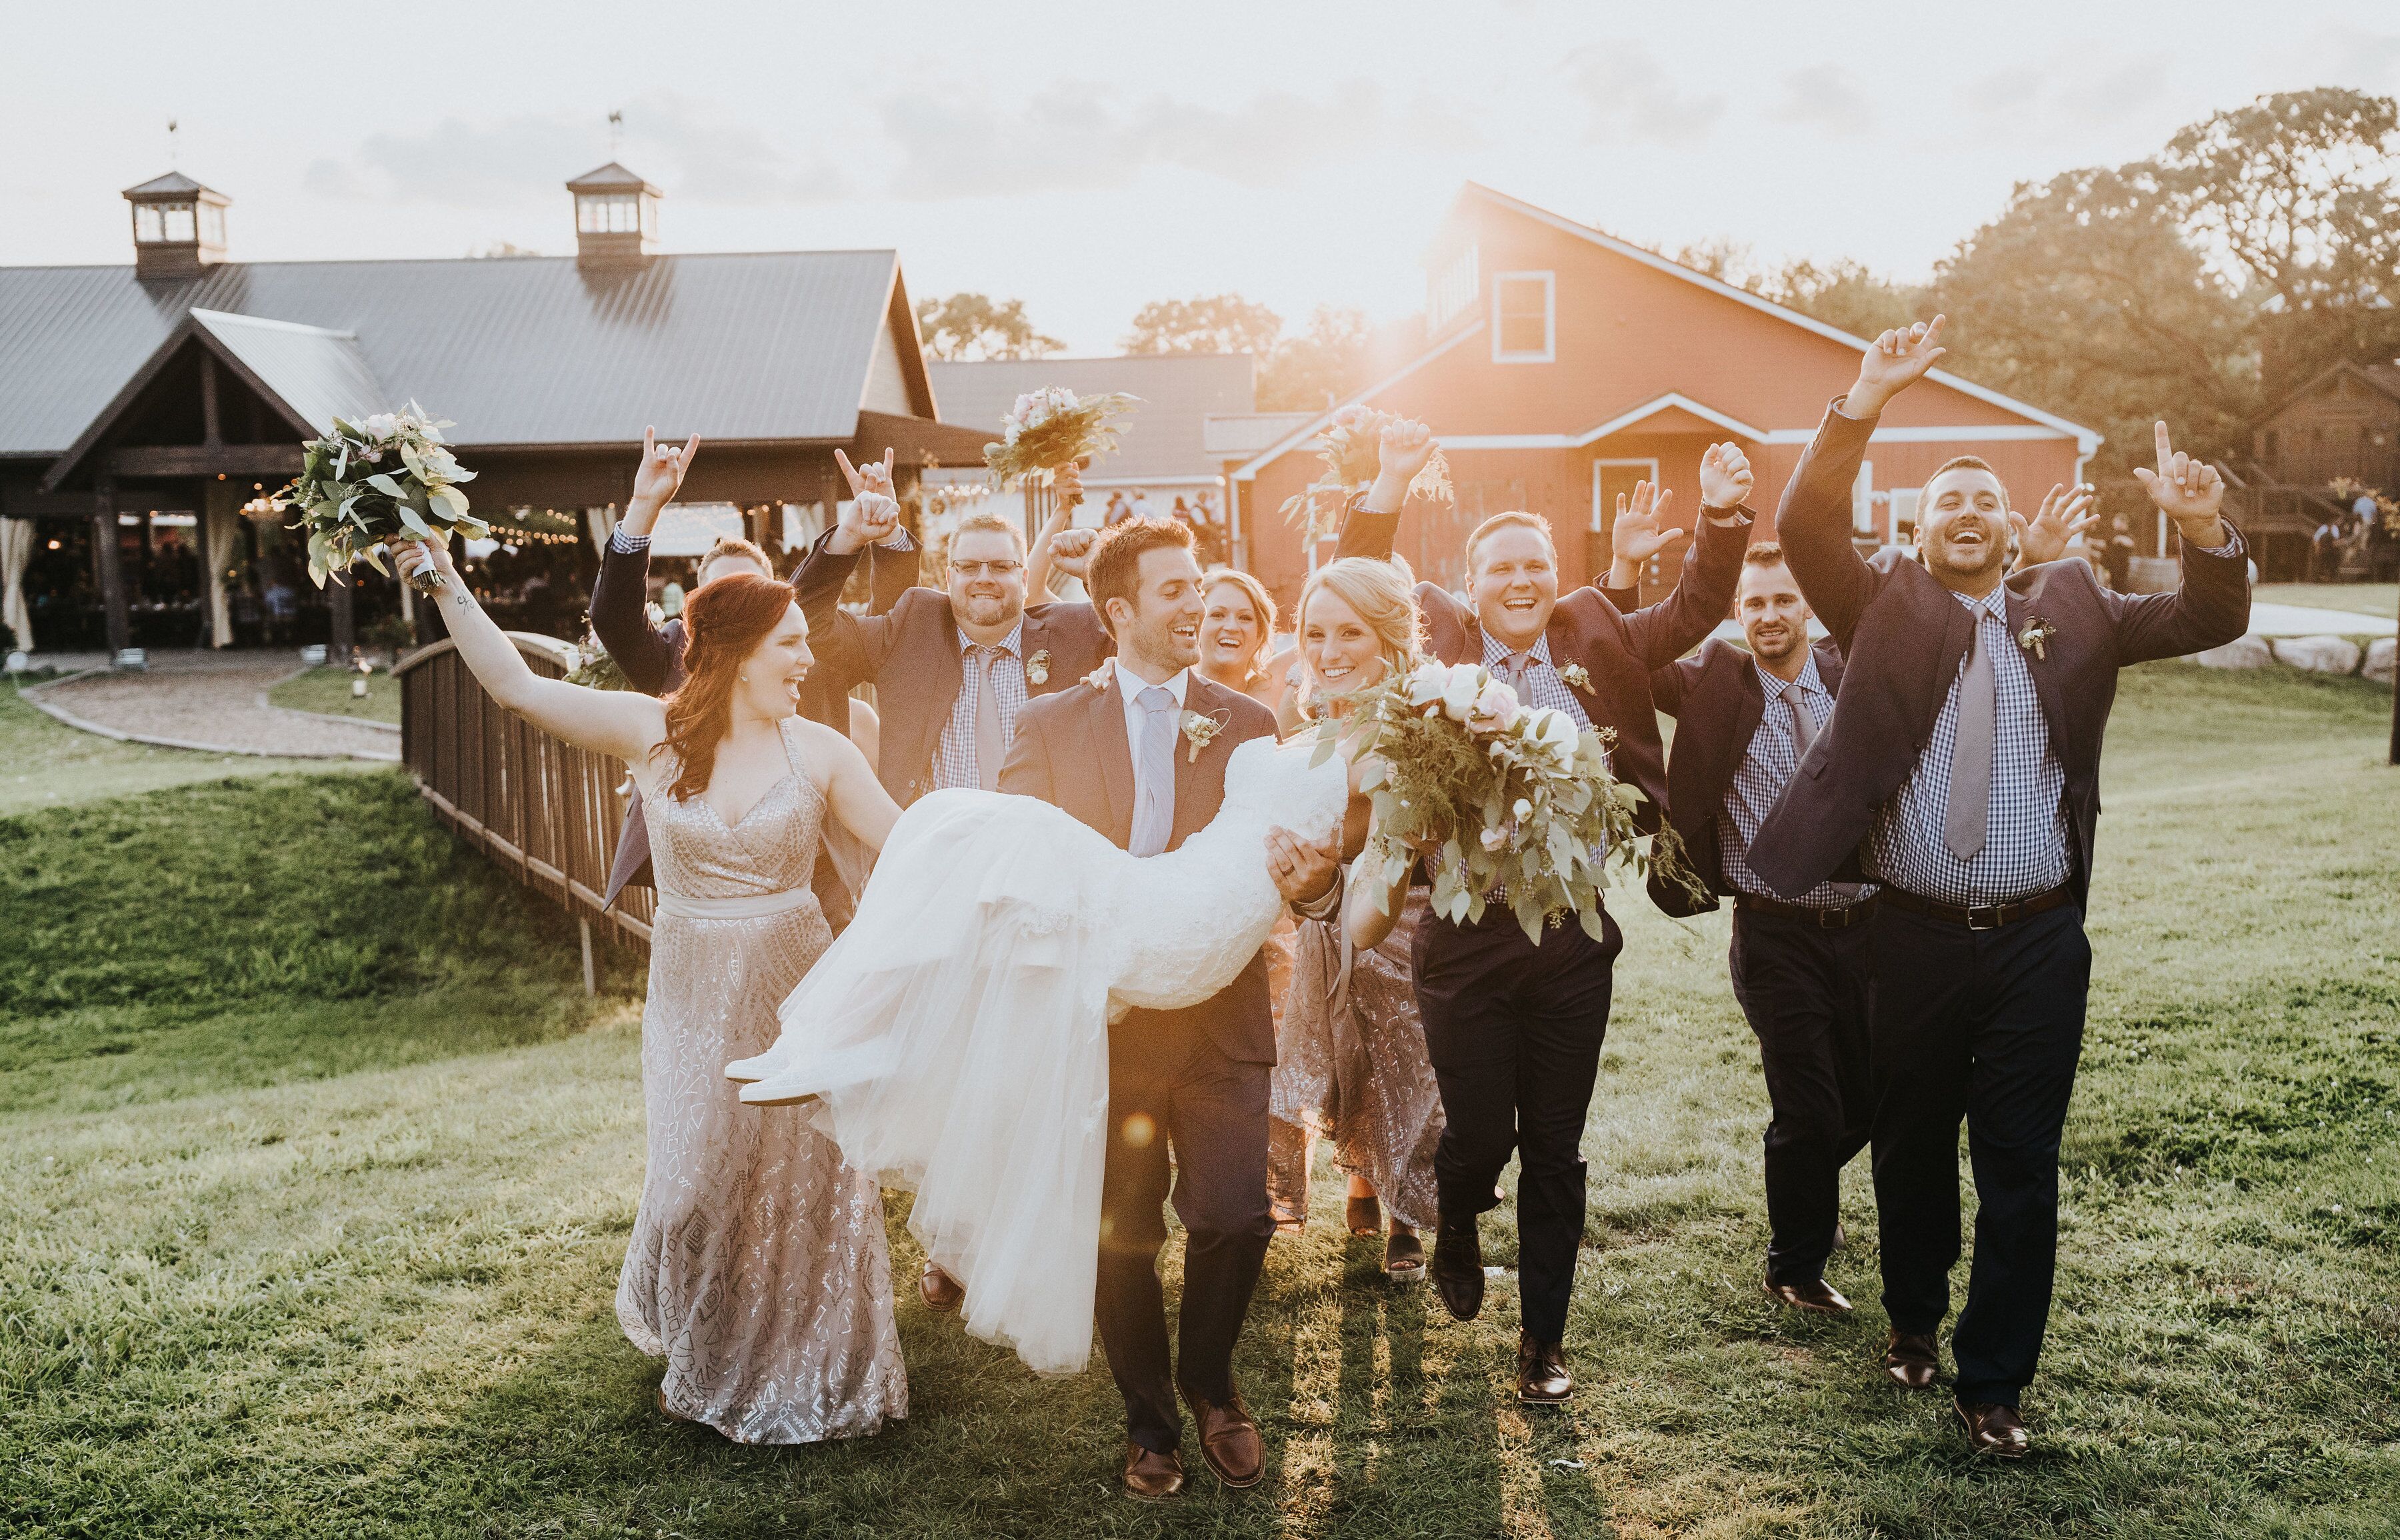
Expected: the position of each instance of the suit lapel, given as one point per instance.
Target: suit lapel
(2045, 687)
(1110, 746)
(1035, 638)
(1197, 775)
(945, 675)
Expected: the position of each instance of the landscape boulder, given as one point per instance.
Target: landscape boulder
(2241, 652)
(2318, 654)
(2381, 653)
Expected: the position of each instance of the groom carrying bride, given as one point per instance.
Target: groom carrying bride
(1138, 753)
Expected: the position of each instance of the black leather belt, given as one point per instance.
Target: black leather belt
(1841, 918)
(1980, 917)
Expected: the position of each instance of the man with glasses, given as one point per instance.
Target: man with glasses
(951, 668)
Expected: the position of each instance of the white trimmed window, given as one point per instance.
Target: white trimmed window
(1524, 317)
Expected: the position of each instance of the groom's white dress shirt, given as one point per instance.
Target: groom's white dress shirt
(1131, 685)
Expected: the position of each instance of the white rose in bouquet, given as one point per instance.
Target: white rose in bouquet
(1496, 707)
(1459, 692)
(1553, 734)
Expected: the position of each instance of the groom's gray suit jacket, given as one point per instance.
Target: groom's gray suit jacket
(1070, 751)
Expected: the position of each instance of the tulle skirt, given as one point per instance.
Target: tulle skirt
(956, 1041)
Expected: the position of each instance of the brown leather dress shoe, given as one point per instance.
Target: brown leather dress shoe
(1995, 1430)
(1149, 1474)
(1815, 1295)
(1542, 1377)
(1457, 1270)
(941, 1292)
(1229, 1440)
(1910, 1359)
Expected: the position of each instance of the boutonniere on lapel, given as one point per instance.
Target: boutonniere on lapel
(2035, 638)
(1573, 675)
(1200, 731)
(1036, 668)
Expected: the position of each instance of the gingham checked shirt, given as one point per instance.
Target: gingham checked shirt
(954, 756)
(1766, 767)
(2025, 843)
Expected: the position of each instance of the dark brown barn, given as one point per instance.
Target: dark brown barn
(146, 409)
(2342, 425)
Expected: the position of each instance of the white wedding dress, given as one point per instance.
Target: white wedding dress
(956, 1035)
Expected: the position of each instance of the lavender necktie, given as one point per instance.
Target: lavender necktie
(1154, 774)
(1967, 815)
(991, 746)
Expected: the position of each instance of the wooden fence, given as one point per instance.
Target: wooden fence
(548, 810)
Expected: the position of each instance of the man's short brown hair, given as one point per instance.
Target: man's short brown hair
(1765, 553)
(985, 521)
(1969, 462)
(734, 545)
(1115, 569)
(1515, 518)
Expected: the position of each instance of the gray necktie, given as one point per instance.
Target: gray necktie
(1154, 774)
(1804, 722)
(1964, 821)
(991, 746)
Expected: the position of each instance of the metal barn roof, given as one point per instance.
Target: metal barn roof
(515, 350)
(1164, 437)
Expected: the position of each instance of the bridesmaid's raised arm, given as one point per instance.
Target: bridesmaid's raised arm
(622, 723)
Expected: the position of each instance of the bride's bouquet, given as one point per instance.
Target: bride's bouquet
(367, 482)
(1350, 447)
(1053, 428)
(1514, 795)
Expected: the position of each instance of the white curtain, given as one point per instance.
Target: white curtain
(602, 523)
(15, 550)
(224, 542)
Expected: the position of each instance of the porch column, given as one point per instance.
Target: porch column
(220, 535)
(112, 567)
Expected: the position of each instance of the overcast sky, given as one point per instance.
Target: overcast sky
(1087, 159)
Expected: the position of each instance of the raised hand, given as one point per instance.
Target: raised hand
(2066, 513)
(1642, 530)
(1725, 478)
(415, 557)
(1894, 362)
(1067, 487)
(2187, 490)
(873, 514)
(661, 472)
(1402, 450)
(1071, 552)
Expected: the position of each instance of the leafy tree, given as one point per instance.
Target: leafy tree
(1841, 293)
(2085, 297)
(1214, 324)
(1313, 371)
(2293, 194)
(974, 326)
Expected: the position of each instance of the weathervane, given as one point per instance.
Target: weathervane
(173, 164)
(616, 131)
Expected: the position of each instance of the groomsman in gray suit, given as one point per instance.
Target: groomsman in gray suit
(1961, 770)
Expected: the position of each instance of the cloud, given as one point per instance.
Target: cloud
(1076, 136)
(1632, 97)
(691, 149)
(2006, 92)
(1824, 97)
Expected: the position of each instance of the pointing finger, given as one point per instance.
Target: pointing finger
(2166, 449)
(849, 471)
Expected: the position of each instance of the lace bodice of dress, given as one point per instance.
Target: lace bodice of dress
(1186, 914)
(774, 849)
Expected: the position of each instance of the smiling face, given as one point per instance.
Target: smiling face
(1774, 617)
(987, 584)
(769, 683)
(1341, 651)
(1231, 630)
(1514, 582)
(1160, 625)
(1962, 528)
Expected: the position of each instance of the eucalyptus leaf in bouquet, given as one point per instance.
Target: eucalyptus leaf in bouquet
(1515, 797)
(382, 477)
(1351, 448)
(1053, 428)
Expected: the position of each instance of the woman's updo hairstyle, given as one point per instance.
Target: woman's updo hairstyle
(723, 623)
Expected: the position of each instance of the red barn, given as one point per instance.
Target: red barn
(1561, 365)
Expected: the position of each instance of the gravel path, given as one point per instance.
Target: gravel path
(211, 700)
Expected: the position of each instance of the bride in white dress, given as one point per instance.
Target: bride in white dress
(956, 1036)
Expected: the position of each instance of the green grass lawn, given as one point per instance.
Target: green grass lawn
(45, 763)
(2377, 599)
(327, 691)
(316, 1170)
